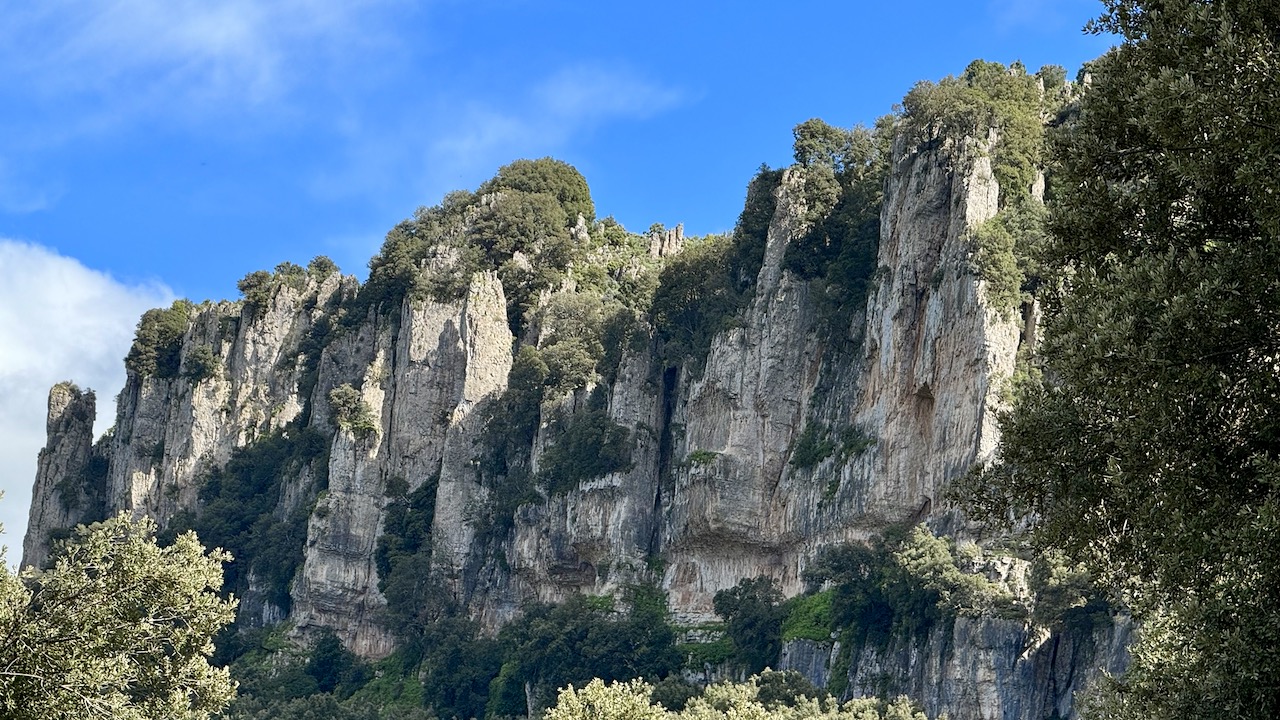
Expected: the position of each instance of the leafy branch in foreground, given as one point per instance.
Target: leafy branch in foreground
(117, 627)
(1148, 447)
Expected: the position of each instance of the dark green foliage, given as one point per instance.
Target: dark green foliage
(86, 490)
(622, 331)
(701, 457)
(415, 595)
(449, 669)
(417, 599)
(819, 144)
(330, 665)
(751, 232)
(394, 271)
(786, 689)
(548, 176)
(257, 288)
(844, 174)
(457, 667)
(696, 299)
(157, 346)
(534, 225)
(321, 267)
(318, 337)
(701, 290)
(588, 444)
(517, 225)
(201, 364)
(290, 274)
(238, 505)
(319, 707)
(572, 327)
(902, 583)
(1007, 254)
(280, 682)
(1148, 448)
(703, 655)
(513, 421)
(854, 441)
(753, 614)
(814, 445)
(673, 692)
(1065, 595)
(586, 637)
(989, 95)
(808, 617)
(406, 524)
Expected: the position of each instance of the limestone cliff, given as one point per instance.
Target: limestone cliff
(65, 492)
(368, 403)
(976, 667)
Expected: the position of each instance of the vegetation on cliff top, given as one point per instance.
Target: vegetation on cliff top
(1015, 105)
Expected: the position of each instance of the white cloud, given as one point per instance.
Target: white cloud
(58, 321)
(92, 69)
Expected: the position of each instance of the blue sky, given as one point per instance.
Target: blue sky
(159, 148)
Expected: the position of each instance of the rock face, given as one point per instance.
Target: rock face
(714, 491)
(976, 667)
(64, 493)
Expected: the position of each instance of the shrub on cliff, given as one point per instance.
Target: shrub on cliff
(157, 345)
(548, 176)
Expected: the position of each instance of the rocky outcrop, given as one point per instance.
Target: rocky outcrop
(919, 390)
(427, 385)
(988, 668)
(65, 493)
(904, 392)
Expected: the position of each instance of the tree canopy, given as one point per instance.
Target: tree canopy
(1151, 446)
(117, 627)
(749, 699)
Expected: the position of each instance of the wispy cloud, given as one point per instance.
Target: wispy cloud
(568, 103)
(242, 52)
(18, 197)
(442, 142)
(81, 74)
(590, 94)
(58, 321)
(1011, 15)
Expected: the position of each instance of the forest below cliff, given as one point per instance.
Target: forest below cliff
(1121, 233)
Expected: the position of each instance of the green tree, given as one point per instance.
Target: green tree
(1150, 447)
(817, 143)
(757, 698)
(753, 614)
(157, 345)
(202, 364)
(584, 638)
(117, 627)
(552, 177)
